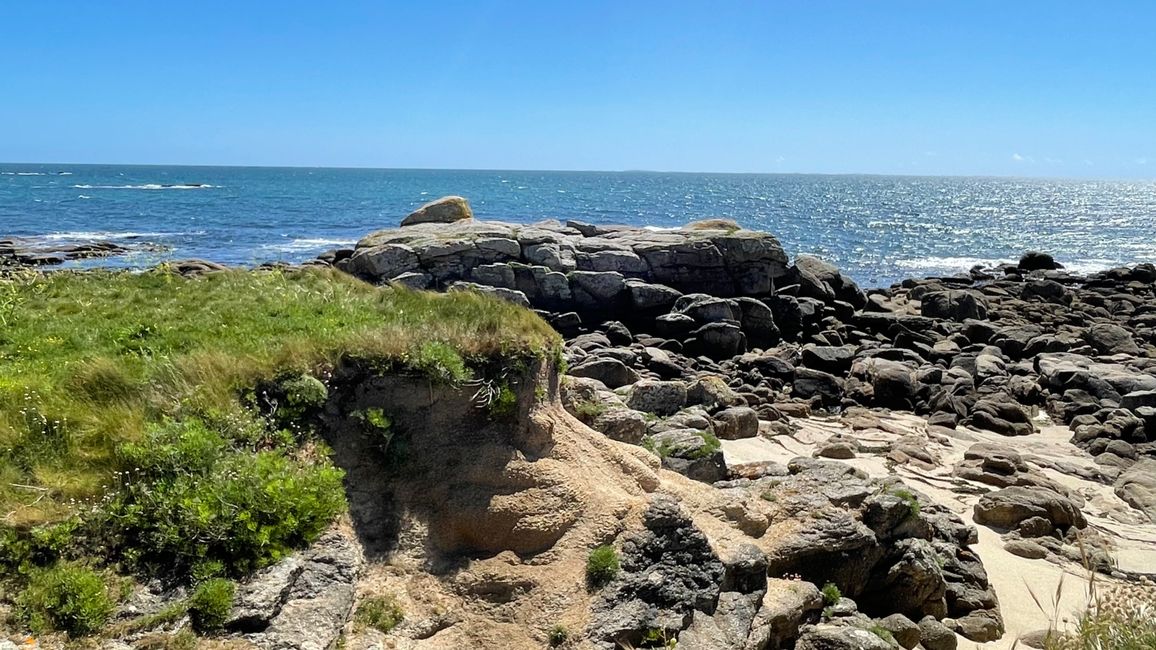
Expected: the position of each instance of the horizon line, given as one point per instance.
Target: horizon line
(590, 171)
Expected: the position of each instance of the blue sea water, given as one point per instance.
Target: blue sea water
(879, 229)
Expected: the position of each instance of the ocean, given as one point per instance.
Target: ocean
(878, 229)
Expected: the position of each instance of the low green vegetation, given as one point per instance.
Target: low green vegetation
(210, 604)
(601, 566)
(381, 613)
(504, 405)
(163, 426)
(558, 636)
(589, 410)
(69, 598)
(910, 499)
(831, 593)
(882, 633)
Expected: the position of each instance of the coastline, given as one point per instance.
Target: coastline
(950, 430)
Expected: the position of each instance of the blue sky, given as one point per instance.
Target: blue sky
(965, 87)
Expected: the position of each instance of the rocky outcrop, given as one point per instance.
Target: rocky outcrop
(574, 266)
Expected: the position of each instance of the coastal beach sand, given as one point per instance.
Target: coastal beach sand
(1014, 578)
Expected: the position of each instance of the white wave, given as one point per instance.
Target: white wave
(952, 263)
(23, 174)
(1088, 267)
(83, 196)
(964, 264)
(148, 186)
(308, 244)
(105, 236)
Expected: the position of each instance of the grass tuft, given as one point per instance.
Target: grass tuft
(601, 566)
(831, 593)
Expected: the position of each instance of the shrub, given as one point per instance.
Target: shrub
(382, 613)
(193, 504)
(831, 593)
(601, 566)
(68, 598)
(210, 604)
(22, 551)
(558, 635)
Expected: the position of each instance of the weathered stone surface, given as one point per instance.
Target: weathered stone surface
(311, 613)
(658, 397)
(669, 573)
(444, 210)
(1137, 487)
(787, 605)
(954, 305)
(840, 637)
(1008, 507)
(936, 636)
(736, 422)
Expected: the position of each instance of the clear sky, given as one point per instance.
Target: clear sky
(1013, 87)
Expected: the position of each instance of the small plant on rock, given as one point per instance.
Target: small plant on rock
(909, 498)
(831, 593)
(210, 604)
(558, 635)
(601, 566)
(882, 633)
(589, 410)
(381, 613)
(67, 598)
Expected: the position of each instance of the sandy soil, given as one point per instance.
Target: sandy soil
(1059, 586)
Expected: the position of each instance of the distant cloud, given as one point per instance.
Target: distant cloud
(1022, 159)
(1141, 161)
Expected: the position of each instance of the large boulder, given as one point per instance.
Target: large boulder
(657, 397)
(786, 606)
(956, 305)
(1008, 507)
(447, 209)
(1137, 487)
(1037, 261)
(1111, 339)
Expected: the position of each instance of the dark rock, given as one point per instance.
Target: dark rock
(736, 422)
(954, 305)
(611, 372)
(810, 383)
(1036, 261)
(1008, 507)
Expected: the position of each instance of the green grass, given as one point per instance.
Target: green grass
(88, 361)
(601, 566)
(158, 425)
(882, 633)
